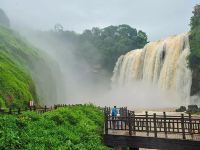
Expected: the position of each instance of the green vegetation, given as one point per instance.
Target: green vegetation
(17, 86)
(193, 109)
(111, 42)
(70, 128)
(195, 39)
(194, 57)
(23, 69)
(181, 109)
(98, 47)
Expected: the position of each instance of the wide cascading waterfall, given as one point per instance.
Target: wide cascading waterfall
(162, 63)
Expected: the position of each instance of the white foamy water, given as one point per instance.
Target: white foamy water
(161, 64)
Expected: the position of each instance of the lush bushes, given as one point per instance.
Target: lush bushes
(181, 109)
(193, 109)
(70, 128)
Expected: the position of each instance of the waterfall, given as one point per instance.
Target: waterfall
(161, 63)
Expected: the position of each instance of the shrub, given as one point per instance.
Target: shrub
(57, 118)
(2, 103)
(69, 128)
(192, 108)
(181, 109)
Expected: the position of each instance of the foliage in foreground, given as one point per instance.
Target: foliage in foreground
(70, 128)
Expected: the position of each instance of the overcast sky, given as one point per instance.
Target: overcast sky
(158, 18)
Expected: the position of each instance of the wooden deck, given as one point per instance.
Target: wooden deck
(136, 142)
(151, 130)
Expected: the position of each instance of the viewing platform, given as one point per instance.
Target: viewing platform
(136, 131)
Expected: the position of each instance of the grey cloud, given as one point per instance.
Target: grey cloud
(158, 18)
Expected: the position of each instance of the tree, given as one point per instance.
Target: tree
(102, 47)
(4, 19)
(195, 19)
(194, 57)
(58, 27)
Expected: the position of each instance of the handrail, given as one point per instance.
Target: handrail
(36, 109)
(164, 124)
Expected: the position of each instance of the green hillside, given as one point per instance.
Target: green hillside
(70, 128)
(16, 84)
(26, 73)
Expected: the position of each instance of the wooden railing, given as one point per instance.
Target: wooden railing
(38, 109)
(16, 111)
(152, 124)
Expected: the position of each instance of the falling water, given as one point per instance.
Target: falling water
(162, 63)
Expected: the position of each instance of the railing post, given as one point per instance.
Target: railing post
(45, 108)
(190, 125)
(126, 111)
(182, 125)
(106, 121)
(147, 124)
(133, 120)
(34, 108)
(129, 124)
(165, 124)
(19, 110)
(10, 110)
(154, 123)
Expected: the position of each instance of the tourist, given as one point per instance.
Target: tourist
(114, 116)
